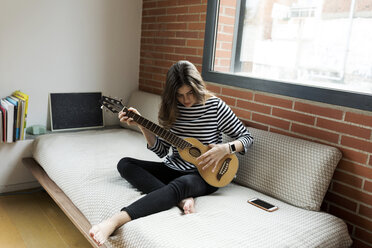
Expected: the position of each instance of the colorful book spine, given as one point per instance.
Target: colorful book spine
(17, 121)
(24, 97)
(10, 119)
(3, 126)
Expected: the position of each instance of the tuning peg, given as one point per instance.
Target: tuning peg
(101, 106)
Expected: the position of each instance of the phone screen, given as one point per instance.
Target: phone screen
(263, 203)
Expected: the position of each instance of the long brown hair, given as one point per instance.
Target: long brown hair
(179, 74)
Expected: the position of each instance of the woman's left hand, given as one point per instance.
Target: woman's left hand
(215, 153)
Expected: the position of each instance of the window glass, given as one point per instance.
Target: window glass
(321, 43)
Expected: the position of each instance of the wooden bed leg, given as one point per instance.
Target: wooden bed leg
(72, 212)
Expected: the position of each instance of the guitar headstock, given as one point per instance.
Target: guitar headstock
(112, 104)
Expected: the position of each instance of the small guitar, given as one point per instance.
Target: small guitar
(189, 148)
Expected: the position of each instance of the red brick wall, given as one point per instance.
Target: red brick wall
(173, 30)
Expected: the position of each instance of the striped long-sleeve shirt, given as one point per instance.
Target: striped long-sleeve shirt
(206, 123)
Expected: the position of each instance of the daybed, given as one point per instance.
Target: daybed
(294, 174)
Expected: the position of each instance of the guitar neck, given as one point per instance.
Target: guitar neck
(158, 130)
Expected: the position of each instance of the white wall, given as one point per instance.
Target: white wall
(66, 46)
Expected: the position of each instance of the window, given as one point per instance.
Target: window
(318, 50)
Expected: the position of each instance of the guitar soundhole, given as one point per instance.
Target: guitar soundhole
(195, 152)
(223, 169)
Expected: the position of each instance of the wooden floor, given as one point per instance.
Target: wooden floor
(34, 220)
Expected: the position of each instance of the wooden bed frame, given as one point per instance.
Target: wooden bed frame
(72, 212)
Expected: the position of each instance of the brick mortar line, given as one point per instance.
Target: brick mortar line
(363, 183)
(351, 174)
(343, 115)
(145, 57)
(347, 198)
(356, 137)
(361, 240)
(173, 38)
(355, 188)
(353, 149)
(176, 6)
(175, 14)
(354, 226)
(304, 124)
(167, 59)
(322, 105)
(369, 231)
(339, 139)
(176, 22)
(285, 108)
(223, 50)
(164, 60)
(231, 35)
(311, 138)
(314, 103)
(316, 118)
(349, 211)
(364, 165)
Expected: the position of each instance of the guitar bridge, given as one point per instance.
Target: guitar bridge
(223, 169)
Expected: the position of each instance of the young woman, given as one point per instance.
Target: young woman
(187, 110)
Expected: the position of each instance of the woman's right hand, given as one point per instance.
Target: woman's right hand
(125, 119)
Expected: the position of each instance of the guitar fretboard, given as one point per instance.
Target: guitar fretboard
(158, 130)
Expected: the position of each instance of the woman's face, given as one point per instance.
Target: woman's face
(185, 95)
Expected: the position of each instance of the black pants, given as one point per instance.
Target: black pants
(164, 187)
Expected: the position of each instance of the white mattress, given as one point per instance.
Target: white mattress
(83, 164)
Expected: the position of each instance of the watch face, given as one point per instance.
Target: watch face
(232, 147)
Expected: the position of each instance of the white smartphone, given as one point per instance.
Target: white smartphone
(262, 204)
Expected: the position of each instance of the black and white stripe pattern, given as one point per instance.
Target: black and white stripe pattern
(206, 123)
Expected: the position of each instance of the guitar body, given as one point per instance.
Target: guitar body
(225, 170)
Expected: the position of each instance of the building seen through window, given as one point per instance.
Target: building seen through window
(322, 43)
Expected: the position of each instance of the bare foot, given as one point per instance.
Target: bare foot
(103, 230)
(187, 205)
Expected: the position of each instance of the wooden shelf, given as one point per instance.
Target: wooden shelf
(31, 136)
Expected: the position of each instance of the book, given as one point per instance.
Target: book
(10, 119)
(19, 116)
(24, 97)
(3, 130)
(17, 119)
(20, 108)
(1, 126)
(21, 128)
